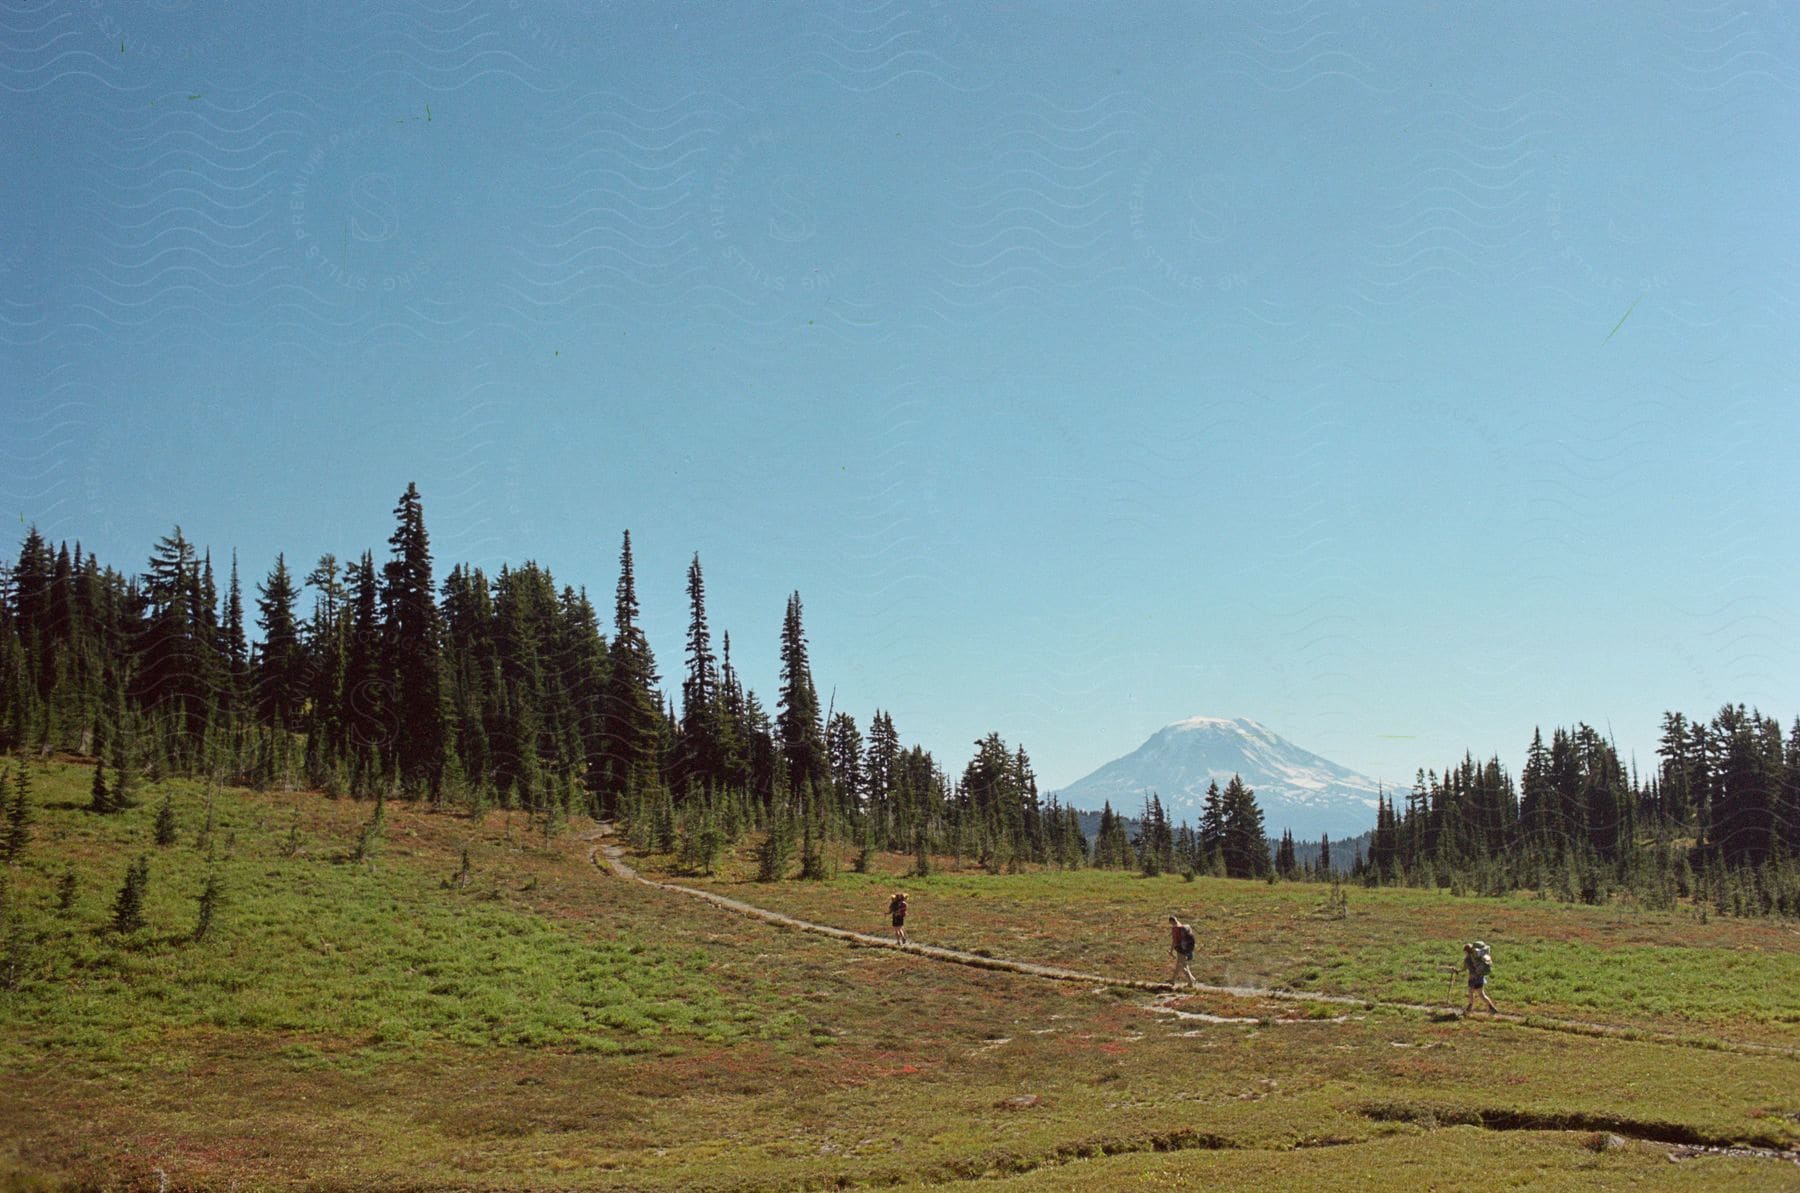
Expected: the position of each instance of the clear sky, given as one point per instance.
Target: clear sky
(1401, 377)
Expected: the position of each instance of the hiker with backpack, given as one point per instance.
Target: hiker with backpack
(1181, 945)
(897, 912)
(1479, 963)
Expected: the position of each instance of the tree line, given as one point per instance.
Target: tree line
(504, 691)
(1717, 820)
(1229, 842)
(482, 691)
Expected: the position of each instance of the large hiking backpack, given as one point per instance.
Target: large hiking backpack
(1484, 960)
(1187, 941)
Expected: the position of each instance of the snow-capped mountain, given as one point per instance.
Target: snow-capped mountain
(1295, 788)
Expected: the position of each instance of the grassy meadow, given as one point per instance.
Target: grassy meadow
(395, 1021)
(1669, 972)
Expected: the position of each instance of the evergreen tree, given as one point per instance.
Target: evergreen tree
(865, 845)
(990, 797)
(103, 607)
(1285, 865)
(583, 662)
(699, 762)
(170, 679)
(476, 686)
(203, 839)
(701, 839)
(1102, 837)
(813, 864)
(844, 750)
(764, 766)
(32, 577)
(15, 833)
(369, 840)
(279, 672)
(798, 723)
(18, 695)
(522, 735)
(1074, 840)
(1246, 844)
(1745, 788)
(1788, 811)
(1156, 840)
(123, 744)
(203, 601)
(211, 897)
(1187, 849)
(366, 701)
(166, 827)
(1570, 778)
(733, 742)
(777, 849)
(328, 653)
(1112, 846)
(419, 740)
(100, 798)
(1601, 794)
(128, 905)
(630, 710)
(1675, 802)
(1212, 830)
(236, 645)
(1034, 841)
(1700, 758)
(881, 766)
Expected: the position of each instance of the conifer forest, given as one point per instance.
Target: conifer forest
(368, 677)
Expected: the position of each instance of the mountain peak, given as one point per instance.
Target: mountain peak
(1295, 788)
(1240, 723)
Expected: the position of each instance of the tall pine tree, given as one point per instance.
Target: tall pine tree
(411, 647)
(631, 711)
(800, 731)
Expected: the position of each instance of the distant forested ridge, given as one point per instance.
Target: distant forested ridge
(504, 691)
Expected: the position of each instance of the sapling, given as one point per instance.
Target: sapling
(128, 905)
(165, 821)
(210, 899)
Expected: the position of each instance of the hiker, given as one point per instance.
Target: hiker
(1181, 945)
(1479, 962)
(897, 910)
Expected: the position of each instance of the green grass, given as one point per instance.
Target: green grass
(359, 1026)
(1659, 971)
(367, 957)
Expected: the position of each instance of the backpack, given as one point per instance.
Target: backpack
(1187, 939)
(1483, 964)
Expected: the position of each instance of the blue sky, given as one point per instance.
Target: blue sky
(1083, 370)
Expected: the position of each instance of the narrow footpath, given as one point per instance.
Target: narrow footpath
(605, 849)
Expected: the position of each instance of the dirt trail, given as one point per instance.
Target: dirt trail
(613, 855)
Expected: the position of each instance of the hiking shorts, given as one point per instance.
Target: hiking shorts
(1477, 983)
(899, 921)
